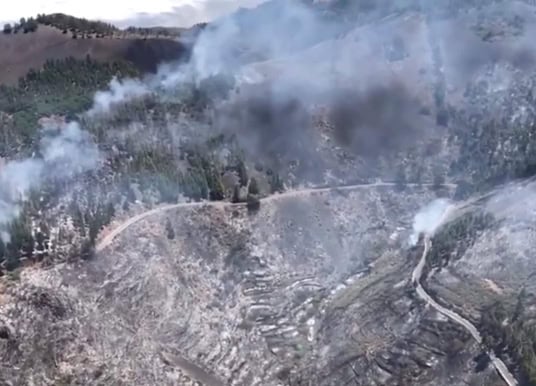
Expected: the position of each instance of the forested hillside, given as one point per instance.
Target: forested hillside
(147, 164)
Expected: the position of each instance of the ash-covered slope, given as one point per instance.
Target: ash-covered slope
(413, 102)
(314, 289)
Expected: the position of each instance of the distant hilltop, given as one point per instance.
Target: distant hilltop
(80, 27)
(31, 42)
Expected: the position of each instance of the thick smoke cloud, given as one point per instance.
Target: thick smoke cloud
(382, 118)
(63, 152)
(273, 30)
(265, 117)
(308, 54)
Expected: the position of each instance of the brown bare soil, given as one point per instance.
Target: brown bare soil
(22, 52)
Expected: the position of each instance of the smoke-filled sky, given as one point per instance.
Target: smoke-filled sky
(172, 13)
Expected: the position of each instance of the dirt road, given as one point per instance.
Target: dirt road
(106, 241)
(416, 279)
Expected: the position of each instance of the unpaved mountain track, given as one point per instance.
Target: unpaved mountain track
(108, 239)
(421, 292)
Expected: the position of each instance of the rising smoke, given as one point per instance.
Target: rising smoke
(286, 56)
(63, 153)
(376, 77)
(119, 92)
(429, 219)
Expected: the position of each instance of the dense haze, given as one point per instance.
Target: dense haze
(287, 56)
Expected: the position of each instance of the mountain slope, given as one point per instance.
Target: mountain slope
(22, 52)
(249, 216)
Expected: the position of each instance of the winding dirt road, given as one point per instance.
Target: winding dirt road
(416, 280)
(109, 238)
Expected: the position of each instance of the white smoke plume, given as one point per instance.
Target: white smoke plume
(280, 29)
(63, 152)
(276, 29)
(119, 91)
(429, 219)
(70, 149)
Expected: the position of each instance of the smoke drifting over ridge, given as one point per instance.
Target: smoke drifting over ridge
(376, 75)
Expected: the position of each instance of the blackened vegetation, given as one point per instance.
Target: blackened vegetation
(509, 329)
(379, 121)
(274, 128)
(170, 232)
(253, 204)
(253, 187)
(238, 260)
(253, 201)
(482, 361)
(453, 239)
(47, 302)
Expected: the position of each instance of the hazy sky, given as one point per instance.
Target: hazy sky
(179, 13)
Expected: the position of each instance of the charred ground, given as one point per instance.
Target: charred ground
(311, 288)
